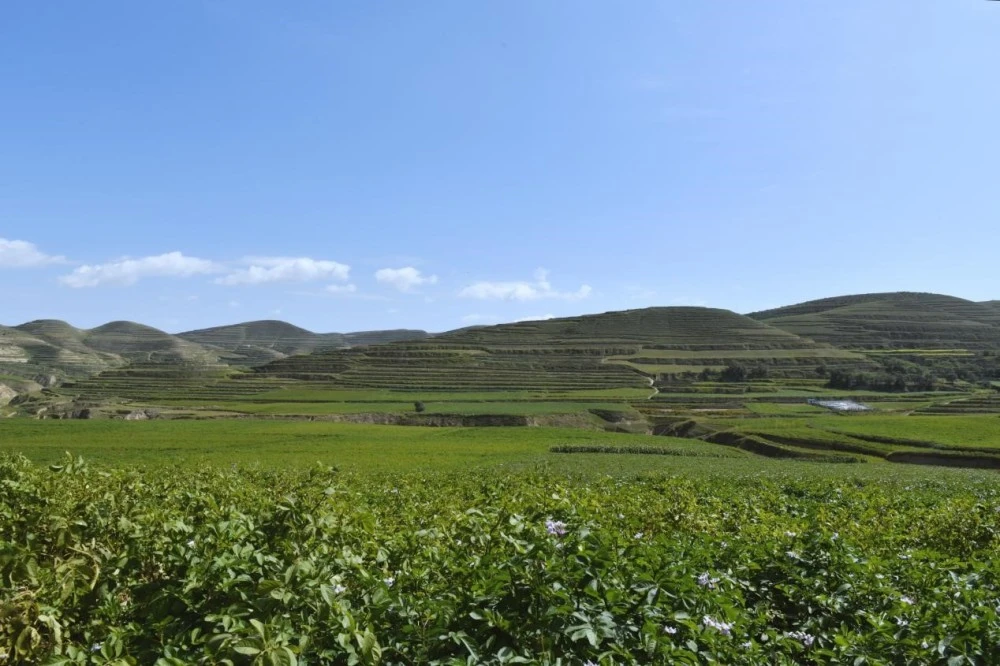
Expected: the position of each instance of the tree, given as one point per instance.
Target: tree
(418, 407)
(734, 372)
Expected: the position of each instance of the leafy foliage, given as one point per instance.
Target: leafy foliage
(244, 566)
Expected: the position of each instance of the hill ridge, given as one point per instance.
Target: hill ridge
(891, 320)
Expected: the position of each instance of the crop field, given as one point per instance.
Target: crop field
(291, 443)
(733, 560)
(432, 407)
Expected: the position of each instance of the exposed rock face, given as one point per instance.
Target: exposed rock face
(81, 414)
(47, 381)
(6, 394)
(142, 415)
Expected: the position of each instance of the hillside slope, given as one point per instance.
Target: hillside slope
(50, 349)
(900, 320)
(613, 350)
(257, 342)
(145, 344)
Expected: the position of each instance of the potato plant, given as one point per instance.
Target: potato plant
(245, 566)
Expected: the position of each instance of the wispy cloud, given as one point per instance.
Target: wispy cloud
(125, 272)
(404, 279)
(22, 254)
(342, 288)
(523, 291)
(263, 270)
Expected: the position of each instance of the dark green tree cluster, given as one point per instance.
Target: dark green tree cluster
(738, 372)
(881, 381)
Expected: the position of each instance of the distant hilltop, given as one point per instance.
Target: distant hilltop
(648, 340)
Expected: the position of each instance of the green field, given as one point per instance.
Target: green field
(351, 446)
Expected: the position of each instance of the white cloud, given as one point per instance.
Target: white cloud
(130, 271)
(261, 270)
(523, 291)
(342, 288)
(22, 254)
(404, 279)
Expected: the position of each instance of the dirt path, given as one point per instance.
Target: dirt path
(652, 385)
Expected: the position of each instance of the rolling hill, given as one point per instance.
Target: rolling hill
(51, 350)
(630, 349)
(900, 320)
(626, 349)
(258, 342)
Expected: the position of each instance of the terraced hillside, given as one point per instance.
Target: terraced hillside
(900, 320)
(145, 344)
(614, 350)
(258, 342)
(55, 350)
(50, 348)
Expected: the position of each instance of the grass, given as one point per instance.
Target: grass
(783, 409)
(950, 431)
(388, 395)
(526, 408)
(358, 447)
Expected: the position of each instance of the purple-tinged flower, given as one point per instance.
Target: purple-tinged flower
(555, 527)
(806, 639)
(724, 628)
(706, 580)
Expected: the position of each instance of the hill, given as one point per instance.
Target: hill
(900, 320)
(49, 350)
(626, 349)
(145, 344)
(361, 338)
(52, 350)
(258, 342)
(993, 305)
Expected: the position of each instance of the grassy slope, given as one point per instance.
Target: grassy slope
(257, 342)
(892, 320)
(137, 342)
(50, 347)
(613, 350)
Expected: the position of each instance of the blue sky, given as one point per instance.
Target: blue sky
(355, 165)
